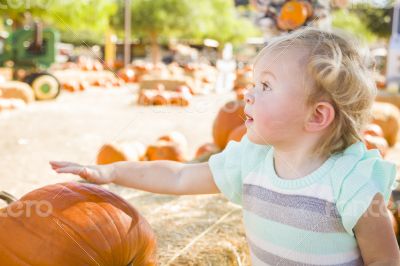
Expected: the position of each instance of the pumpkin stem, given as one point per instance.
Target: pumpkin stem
(7, 197)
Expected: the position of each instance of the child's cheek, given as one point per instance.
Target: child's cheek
(276, 115)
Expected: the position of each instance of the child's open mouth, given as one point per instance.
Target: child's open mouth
(249, 119)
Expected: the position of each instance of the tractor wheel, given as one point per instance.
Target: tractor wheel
(45, 86)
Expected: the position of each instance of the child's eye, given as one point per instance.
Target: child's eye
(265, 86)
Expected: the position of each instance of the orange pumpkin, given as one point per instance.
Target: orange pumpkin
(373, 130)
(74, 224)
(185, 89)
(238, 133)
(292, 15)
(229, 117)
(140, 71)
(87, 66)
(117, 82)
(207, 148)
(99, 82)
(380, 80)
(71, 86)
(375, 142)
(115, 152)
(387, 116)
(244, 78)
(240, 94)
(309, 7)
(127, 75)
(165, 150)
(175, 137)
(161, 98)
(179, 99)
(98, 66)
(146, 97)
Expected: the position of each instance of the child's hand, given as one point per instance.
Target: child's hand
(98, 174)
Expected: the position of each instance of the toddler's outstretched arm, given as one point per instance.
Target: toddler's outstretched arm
(164, 177)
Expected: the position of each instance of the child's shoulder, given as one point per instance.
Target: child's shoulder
(356, 161)
(356, 177)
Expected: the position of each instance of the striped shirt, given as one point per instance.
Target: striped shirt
(305, 221)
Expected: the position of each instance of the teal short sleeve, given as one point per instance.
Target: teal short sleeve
(364, 174)
(231, 165)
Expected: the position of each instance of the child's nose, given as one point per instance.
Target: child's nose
(249, 98)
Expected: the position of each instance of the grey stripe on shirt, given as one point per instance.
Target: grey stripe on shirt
(272, 259)
(299, 218)
(307, 203)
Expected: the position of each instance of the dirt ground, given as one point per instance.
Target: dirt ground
(191, 230)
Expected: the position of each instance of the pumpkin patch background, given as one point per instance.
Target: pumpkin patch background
(148, 110)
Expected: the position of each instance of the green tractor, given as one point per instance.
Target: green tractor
(30, 52)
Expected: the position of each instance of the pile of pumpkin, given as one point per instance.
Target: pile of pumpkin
(198, 77)
(15, 95)
(84, 64)
(172, 146)
(228, 125)
(178, 96)
(101, 82)
(74, 224)
(134, 73)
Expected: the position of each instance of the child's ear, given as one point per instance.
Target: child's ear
(321, 116)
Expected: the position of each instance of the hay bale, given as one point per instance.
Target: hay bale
(17, 90)
(169, 84)
(387, 116)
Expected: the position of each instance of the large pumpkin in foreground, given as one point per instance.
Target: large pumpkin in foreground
(74, 224)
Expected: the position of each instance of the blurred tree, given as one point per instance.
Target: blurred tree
(219, 20)
(188, 19)
(349, 21)
(77, 20)
(377, 18)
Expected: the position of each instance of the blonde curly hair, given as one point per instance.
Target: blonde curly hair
(339, 68)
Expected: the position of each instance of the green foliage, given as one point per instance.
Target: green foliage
(80, 20)
(87, 20)
(191, 20)
(376, 18)
(220, 21)
(161, 16)
(351, 22)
